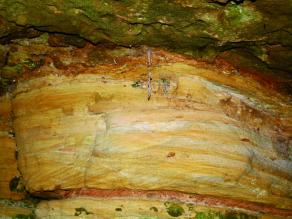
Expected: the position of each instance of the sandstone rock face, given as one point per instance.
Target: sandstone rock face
(203, 131)
(10, 180)
(117, 208)
(95, 125)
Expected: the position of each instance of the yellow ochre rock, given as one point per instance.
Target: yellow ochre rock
(201, 132)
(131, 208)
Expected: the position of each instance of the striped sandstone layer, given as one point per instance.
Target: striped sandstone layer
(203, 131)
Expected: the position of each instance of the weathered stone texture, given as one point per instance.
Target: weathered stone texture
(202, 131)
(10, 180)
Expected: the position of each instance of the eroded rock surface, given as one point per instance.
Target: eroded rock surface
(87, 123)
(86, 128)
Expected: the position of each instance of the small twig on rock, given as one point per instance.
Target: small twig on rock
(149, 64)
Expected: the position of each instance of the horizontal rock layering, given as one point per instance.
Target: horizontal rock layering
(202, 131)
(127, 208)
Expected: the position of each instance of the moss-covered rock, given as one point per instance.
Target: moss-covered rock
(198, 28)
(183, 24)
(139, 209)
(174, 209)
(17, 209)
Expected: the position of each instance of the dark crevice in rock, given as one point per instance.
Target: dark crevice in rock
(225, 2)
(20, 33)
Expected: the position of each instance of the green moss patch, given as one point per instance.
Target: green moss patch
(226, 215)
(23, 216)
(174, 209)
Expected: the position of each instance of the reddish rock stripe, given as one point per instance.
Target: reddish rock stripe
(202, 200)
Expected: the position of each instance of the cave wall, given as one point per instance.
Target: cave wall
(200, 28)
(86, 133)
